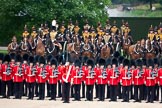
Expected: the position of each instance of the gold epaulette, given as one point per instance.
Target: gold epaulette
(33, 34)
(101, 33)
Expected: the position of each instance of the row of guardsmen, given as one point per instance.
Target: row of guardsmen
(125, 79)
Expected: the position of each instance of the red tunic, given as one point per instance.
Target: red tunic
(90, 79)
(150, 81)
(84, 68)
(113, 77)
(101, 79)
(6, 77)
(24, 66)
(77, 76)
(160, 76)
(53, 75)
(18, 77)
(126, 80)
(30, 76)
(65, 71)
(40, 77)
(138, 78)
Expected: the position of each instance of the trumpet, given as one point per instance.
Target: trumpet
(8, 70)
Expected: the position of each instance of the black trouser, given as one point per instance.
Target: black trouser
(131, 92)
(41, 90)
(138, 92)
(53, 89)
(8, 84)
(48, 89)
(72, 91)
(125, 91)
(77, 91)
(18, 87)
(66, 90)
(101, 92)
(96, 90)
(0, 87)
(144, 92)
(113, 92)
(12, 88)
(31, 90)
(150, 93)
(36, 89)
(108, 91)
(24, 88)
(119, 91)
(83, 89)
(59, 89)
(89, 92)
(156, 95)
(161, 93)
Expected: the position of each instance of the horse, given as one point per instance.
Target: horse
(74, 48)
(53, 48)
(13, 46)
(24, 47)
(105, 52)
(126, 43)
(32, 43)
(150, 51)
(132, 54)
(40, 48)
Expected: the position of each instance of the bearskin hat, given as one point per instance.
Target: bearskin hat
(77, 62)
(25, 57)
(49, 57)
(54, 62)
(7, 58)
(116, 54)
(132, 63)
(36, 58)
(139, 62)
(90, 62)
(1, 56)
(85, 58)
(150, 62)
(144, 62)
(12, 55)
(161, 62)
(108, 61)
(114, 61)
(42, 60)
(120, 59)
(126, 62)
(102, 62)
(18, 58)
(31, 59)
(156, 61)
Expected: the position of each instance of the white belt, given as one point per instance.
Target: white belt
(112, 77)
(136, 76)
(126, 78)
(160, 76)
(77, 76)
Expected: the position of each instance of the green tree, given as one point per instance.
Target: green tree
(14, 14)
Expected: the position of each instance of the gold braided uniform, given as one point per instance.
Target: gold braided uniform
(25, 34)
(106, 38)
(62, 29)
(127, 30)
(76, 29)
(101, 33)
(160, 34)
(34, 34)
(151, 36)
(85, 35)
(114, 30)
(123, 27)
(71, 27)
(53, 35)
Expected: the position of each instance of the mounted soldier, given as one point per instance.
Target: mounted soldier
(108, 26)
(70, 26)
(122, 28)
(25, 33)
(114, 29)
(86, 26)
(151, 33)
(13, 46)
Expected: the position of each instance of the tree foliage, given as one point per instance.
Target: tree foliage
(14, 14)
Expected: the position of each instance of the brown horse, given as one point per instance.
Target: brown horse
(105, 52)
(126, 44)
(32, 43)
(13, 46)
(150, 51)
(24, 47)
(40, 48)
(132, 54)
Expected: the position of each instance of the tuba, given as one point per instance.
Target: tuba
(8, 70)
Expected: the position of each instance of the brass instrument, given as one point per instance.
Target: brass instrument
(55, 73)
(80, 73)
(43, 73)
(129, 74)
(154, 73)
(92, 73)
(140, 73)
(34, 70)
(20, 70)
(117, 73)
(104, 74)
(8, 70)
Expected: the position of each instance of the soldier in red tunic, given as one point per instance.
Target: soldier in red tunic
(144, 68)
(77, 75)
(18, 73)
(66, 78)
(138, 81)
(96, 69)
(6, 77)
(113, 76)
(150, 77)
(41, 78)
(24, 65)
(160, 78)
(102, 79)
(90, 80)
(108, 68)
(31, 77)
(53, 78)
(48, 65)
(1, 59)
(126, 79)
